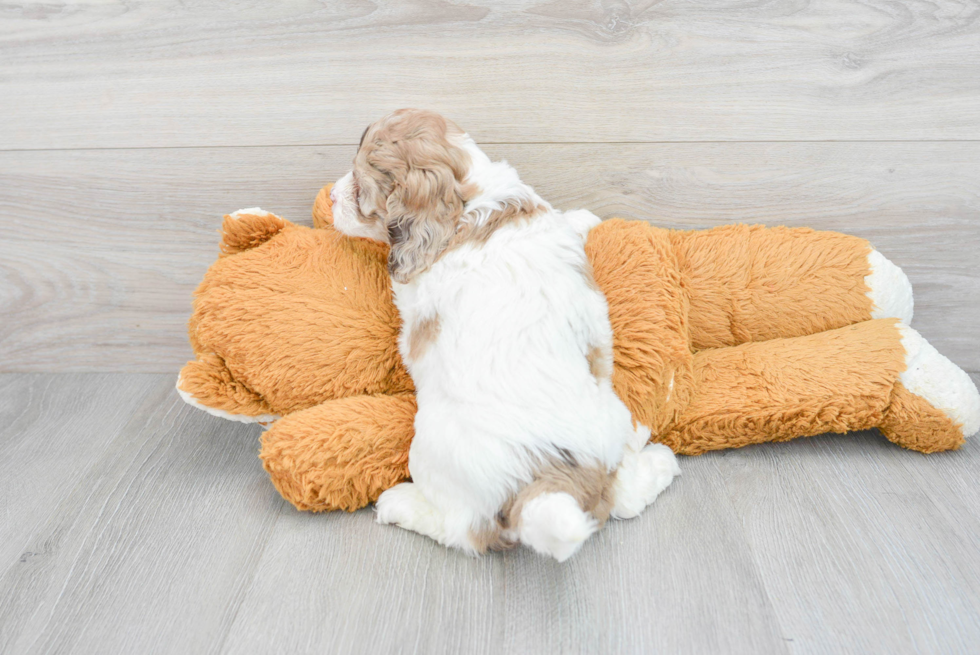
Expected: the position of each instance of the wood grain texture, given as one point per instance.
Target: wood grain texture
(151, 547)
(876, 527)
(53, 429)
(163, 74)
(130, 522)
(168, 538)
(677, 579)
(102, 249)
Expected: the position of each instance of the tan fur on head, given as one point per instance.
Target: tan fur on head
(409, 175)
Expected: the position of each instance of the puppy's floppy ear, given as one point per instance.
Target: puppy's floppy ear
(423, 210)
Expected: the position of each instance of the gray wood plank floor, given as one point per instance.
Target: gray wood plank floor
(134, 523)
(168, 73)
(102, 249)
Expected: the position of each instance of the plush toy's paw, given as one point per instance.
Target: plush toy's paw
(207, 384)
(641, 477)
(889, 289)
(553, 524)
(944, 384)
(935, 405)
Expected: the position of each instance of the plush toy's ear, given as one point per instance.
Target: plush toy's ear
(249, 228)
(323, 208)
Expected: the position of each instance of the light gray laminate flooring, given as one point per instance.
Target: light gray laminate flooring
(132, 523)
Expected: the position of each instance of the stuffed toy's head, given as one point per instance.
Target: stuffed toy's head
(306, 317)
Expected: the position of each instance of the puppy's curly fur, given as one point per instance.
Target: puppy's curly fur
(520, 437)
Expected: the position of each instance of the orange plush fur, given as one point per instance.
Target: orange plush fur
(722, 338)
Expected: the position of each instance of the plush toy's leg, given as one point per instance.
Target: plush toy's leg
(871, 374)
(341, 454)
(932, 393)
(750, 283)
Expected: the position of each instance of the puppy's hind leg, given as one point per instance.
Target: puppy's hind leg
(405, 506)
(644, 472)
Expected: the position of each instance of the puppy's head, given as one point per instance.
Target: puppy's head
(406, 189)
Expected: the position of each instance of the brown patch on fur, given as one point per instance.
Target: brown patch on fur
(362, 218)
(423, 333)
(590, 485)
(513, 212)
(599, 364)
(491, 537)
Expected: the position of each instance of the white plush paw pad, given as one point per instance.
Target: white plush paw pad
(251, 211)
(265, 420)
(554, 524)
(641, 477)
(941, 382)
(889, 289)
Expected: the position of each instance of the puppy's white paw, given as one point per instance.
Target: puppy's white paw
(554, 524)
(641, 477)
(401, 505)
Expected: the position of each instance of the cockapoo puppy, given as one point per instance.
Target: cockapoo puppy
(519, 436)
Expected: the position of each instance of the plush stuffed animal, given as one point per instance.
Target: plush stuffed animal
(722, 338)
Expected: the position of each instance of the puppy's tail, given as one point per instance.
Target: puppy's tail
(554, 524)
